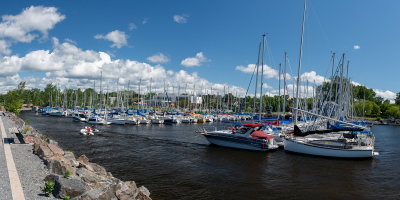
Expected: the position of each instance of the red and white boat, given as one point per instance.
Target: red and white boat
(248, 136)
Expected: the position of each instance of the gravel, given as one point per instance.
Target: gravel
(31, 169)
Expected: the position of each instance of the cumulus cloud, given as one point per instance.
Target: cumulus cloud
(269, 72)
(4, 47)
(356, 47)
(118, 38)
(355, 83)
(312, 77)
(158, 58)
(28, 25)
(385, 94)
(180, 19)
(69, 66)
(198, 60)
(35, 18)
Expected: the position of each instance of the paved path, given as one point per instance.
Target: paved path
(15, 184)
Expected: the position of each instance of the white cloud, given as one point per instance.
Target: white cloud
(312, 77)
(198, 60)
(145, 21)
(385, 94)
(118, 38)
(22, 27)
(356, 47)
(180, 19)
(69, 66)
(269, 72)
(355, 83)
(4, 47)
(132, 26)
(158, 58)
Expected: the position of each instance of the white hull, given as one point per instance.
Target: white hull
(301, 147)
(157, 121)
(235, 145)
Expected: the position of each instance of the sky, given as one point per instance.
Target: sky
(207, 46)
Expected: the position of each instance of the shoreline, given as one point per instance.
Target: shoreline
(74, 176)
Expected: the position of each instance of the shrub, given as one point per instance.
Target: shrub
(67, 174)
(48, 188)
(67, 198)
(25, 130)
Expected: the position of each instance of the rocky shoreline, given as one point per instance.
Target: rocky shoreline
(76, 177)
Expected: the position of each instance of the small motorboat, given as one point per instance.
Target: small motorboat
(88, 131)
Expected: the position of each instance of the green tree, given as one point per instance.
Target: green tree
(397, 100)
(13, 101)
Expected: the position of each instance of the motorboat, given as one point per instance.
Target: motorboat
(248, 136)
(87, 131)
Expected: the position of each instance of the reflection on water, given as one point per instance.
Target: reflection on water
(174, 162)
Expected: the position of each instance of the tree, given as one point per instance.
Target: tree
(13, 101)
(397, 100)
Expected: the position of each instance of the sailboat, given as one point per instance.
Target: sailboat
(341, 142)
(249, 136)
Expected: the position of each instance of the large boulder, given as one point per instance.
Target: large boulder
(59, 165)
(71, 157)
(55, 149)
(83, 159)
(29, 139)
(68, 187)
(106, 192)
(126, 190)
(43, 151)
(142, 193)
(100, 170)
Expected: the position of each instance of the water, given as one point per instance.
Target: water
(174, 162)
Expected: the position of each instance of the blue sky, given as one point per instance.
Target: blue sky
(223, 35)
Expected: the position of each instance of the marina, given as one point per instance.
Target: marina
(174, 162)
(199, 100)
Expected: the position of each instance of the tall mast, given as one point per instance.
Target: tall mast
(284, 85)
(279, 91)
(262, 74)
(257, 66)
(299, 66)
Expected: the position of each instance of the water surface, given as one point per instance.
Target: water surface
(174, 162)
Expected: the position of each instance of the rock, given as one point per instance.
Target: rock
(89, 177)
(126, 190)
(55, 149)
(29, 139)
(53, 142)
(142, 193)
(59, 165)
(68, 187)
(71, 157)
(98, 169)
(105, 192)
(83, 159)
(44, 151)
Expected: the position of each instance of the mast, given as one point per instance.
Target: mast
(262, 74)
(279, 92)
(284, 85)
(299, 66)
(257, 66)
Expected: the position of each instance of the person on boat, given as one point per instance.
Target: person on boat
(88, 130)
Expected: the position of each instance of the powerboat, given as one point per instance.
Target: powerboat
(248, 136)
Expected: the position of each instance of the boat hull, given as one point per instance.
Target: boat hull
(239, 143)
(302, 148)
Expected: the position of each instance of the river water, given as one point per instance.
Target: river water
(174, 162)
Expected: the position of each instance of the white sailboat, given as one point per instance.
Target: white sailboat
(340, 143)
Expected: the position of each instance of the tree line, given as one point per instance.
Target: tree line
(365, 103)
